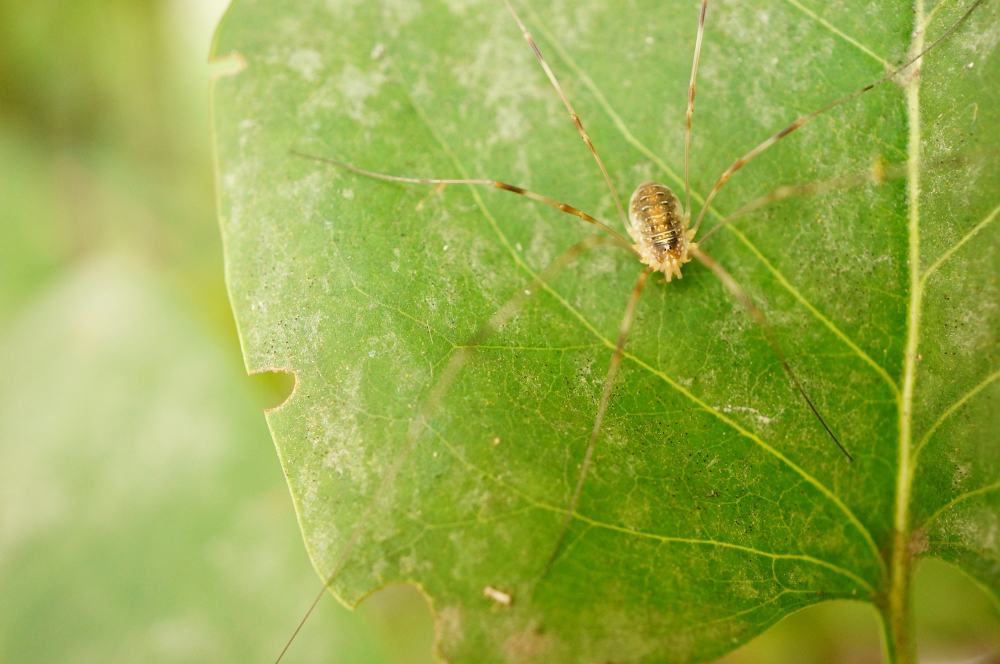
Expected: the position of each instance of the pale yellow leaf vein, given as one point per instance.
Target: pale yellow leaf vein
(958, 245)
(951, 410)
(960, 498)
(930, 15)
(752, 436)
(840, 33)
(454, 346)
(595, 523)
(815, 312)
(406, 314)
(758, 607)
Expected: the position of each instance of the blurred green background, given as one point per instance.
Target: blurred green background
(143, 514)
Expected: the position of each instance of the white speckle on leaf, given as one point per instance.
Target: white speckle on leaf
(528, 645)
(247, 127)
(760, 417)
(183, 638)
(460, 6)
(504, 76)
(511, 122)
(378, 51)
(400, 12)
(963, 471)
(340, 434)
(976, 528)
(348, 194)
(983, 42)
(408, 564)
(306, 62)
(378, 569)
(449, 626)
(356, 87)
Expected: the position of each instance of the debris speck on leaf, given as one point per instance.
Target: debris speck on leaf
(498, 596)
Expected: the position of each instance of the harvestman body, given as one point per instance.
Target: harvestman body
(657, 224)
(664, 241)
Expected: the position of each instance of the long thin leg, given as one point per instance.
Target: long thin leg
(455, 364)
(876, 175)
(742, 161)
(568, 209)
(734, 288)
(609, 380)
(569, 107)
(690, 111)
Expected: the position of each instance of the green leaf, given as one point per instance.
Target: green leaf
(421, 447)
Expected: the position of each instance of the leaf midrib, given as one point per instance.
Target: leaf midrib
(899, 566)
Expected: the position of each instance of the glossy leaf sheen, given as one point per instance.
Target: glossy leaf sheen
(716, 504)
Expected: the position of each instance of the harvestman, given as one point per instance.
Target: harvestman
(664, 241)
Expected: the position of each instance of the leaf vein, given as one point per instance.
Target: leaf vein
(595, 523)
(840, 33)
(950, 411)
(960, 498)
(958, 245)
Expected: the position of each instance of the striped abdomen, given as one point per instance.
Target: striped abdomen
(658, 227)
